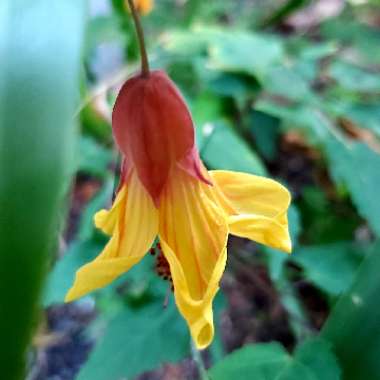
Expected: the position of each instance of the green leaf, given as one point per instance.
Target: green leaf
(224, 149)
(365, 115)
(308, 119)
(103, 29)
(286, 82)
(245, 52)
(316, 354)
(265, 130)
(363, 38)
(321, 264)
(40, 48)
(259, 362)
(358, 167)
(216, 349)
(354, 78)
(61, 278)
(313, 360)
(93, 158)
(137, 341)
(206, 108)
(353, 327)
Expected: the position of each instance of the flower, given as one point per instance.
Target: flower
(142, 6)
(165, 190)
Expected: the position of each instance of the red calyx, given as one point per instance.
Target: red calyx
(154, 130)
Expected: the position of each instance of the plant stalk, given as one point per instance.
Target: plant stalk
(140, 36)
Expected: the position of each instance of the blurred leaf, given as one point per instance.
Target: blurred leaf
(316, 354)
(353, 327)
(94, 124)
(224, 149)
(181, 42)
(354, 78)
(104, 29)
(94, 159)
(347, 30)
(327, 220)
(234, 85)
(315, 51)
(321, 264)
(206, 108)
(313, 360)
(40, 45)
(137, 341)
(61, 278)
(245, 52)
(266, 132)
(308, 119)
(365, 115)
(358, 167)
(217, 347)
(286, 82)
(259, 362)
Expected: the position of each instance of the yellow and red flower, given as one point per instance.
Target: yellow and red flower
(166, 191)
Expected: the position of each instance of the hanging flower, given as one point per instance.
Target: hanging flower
(165, 190)
(142, 6)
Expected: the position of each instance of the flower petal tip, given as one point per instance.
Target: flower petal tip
(287, 247)
(70, 296)
(204, 336)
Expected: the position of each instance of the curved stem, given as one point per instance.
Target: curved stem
(140, 36)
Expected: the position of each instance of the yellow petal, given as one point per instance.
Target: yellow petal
(256, 206)
(193, 234)
(106, 220)
(135, 230)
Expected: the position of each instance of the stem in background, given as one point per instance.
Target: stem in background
(199, 362)
(140, 36)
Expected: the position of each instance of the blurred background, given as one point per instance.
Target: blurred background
(288, 89)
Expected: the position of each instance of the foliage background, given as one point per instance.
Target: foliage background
(288, 89)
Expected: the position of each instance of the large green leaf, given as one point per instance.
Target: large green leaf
(354, 78)
(229, 50)
(353, 326)
(61, 278)
(137, 341)
(225, 149)
(358, 167)
(259, 362)
(286, 82)
(321, 264)
(313, 360)
(245, 52)
(40, 53)
(92, 158)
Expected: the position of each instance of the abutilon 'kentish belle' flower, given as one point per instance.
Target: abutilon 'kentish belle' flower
(166, 191)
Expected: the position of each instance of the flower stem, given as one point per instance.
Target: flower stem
(199, 362)
(140, 36)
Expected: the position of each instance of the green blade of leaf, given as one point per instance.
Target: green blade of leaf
(237, 155)
(137, 341)
(259, 362)
(40, 45)
(353, 326)
(313, 360)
